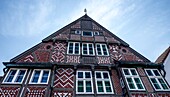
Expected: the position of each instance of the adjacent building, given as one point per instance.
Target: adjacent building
(83, 59)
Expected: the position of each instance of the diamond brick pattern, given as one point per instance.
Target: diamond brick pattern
(77, 25)
(42, 56)
(60, 46)
(73, 59)
(28, 58)
(57, 56)
(64, 78)
(35, 92)
(103, 60)
(9, 91)
(114, 52)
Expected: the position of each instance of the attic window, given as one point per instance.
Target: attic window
(77, 32)
(87, 33)
(96, 33)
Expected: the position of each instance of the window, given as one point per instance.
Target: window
(101, 49)
(15, 76)
(77, 32)
(87, 33)
(156, 79)
(40, 76)
(103, 82)
(84, 82)
(132, 78)
(73, 48)
(87, 49)
(96, 33)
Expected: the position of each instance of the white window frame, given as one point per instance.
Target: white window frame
(96, 33)
(40, 76)
(133, 77)
(84, 80)
(156, 78)
(15, 76)
(87, 31)
(103, 80)
(88, 49)
(73, 48)
(102, 49)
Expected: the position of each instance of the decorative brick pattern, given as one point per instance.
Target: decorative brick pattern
(35, 92)
(73, 59)
(57, 56)
(95, 27)
(116, 83)
(103, 60)
(77, 25)
(163, 94)
(147, 84)
(139, 95)
(64, 78)
(141, 71)
(63, 94)
(60, 46)
(42, 56)
(28, 58)
(152, 95)
(114, 52)
(9, 91)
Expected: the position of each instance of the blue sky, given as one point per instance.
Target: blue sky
(143, 24)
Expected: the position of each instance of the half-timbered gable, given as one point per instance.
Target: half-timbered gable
(83, 59)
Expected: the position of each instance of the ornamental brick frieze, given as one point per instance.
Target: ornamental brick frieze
(140, 95)
(9, 91)
(62, 93)
(60, 46)
(115, 53)
(103, 60)
(64, 78)
(73, 59)
(57, 56)
(35, 92)
(77, 25)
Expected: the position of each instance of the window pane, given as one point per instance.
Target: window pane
(108, 86)
(138, 83)
(131, 84)
(99, 52)
(133, 72)
(87, 75)
(80, 86)
(20, 76)
(155, 83)
(156, 73)
(90, 49)
(126, 71)
(76, 48)
(80, 74)
(70, 48)
(104, 50)
(45, 76)
(149, 72)
(36, 76)
(105, 75)
(87, 33)
(88, 86)
(84, 48)
(10, 76)
(98, 75)
(163, 84)
(100, 86)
